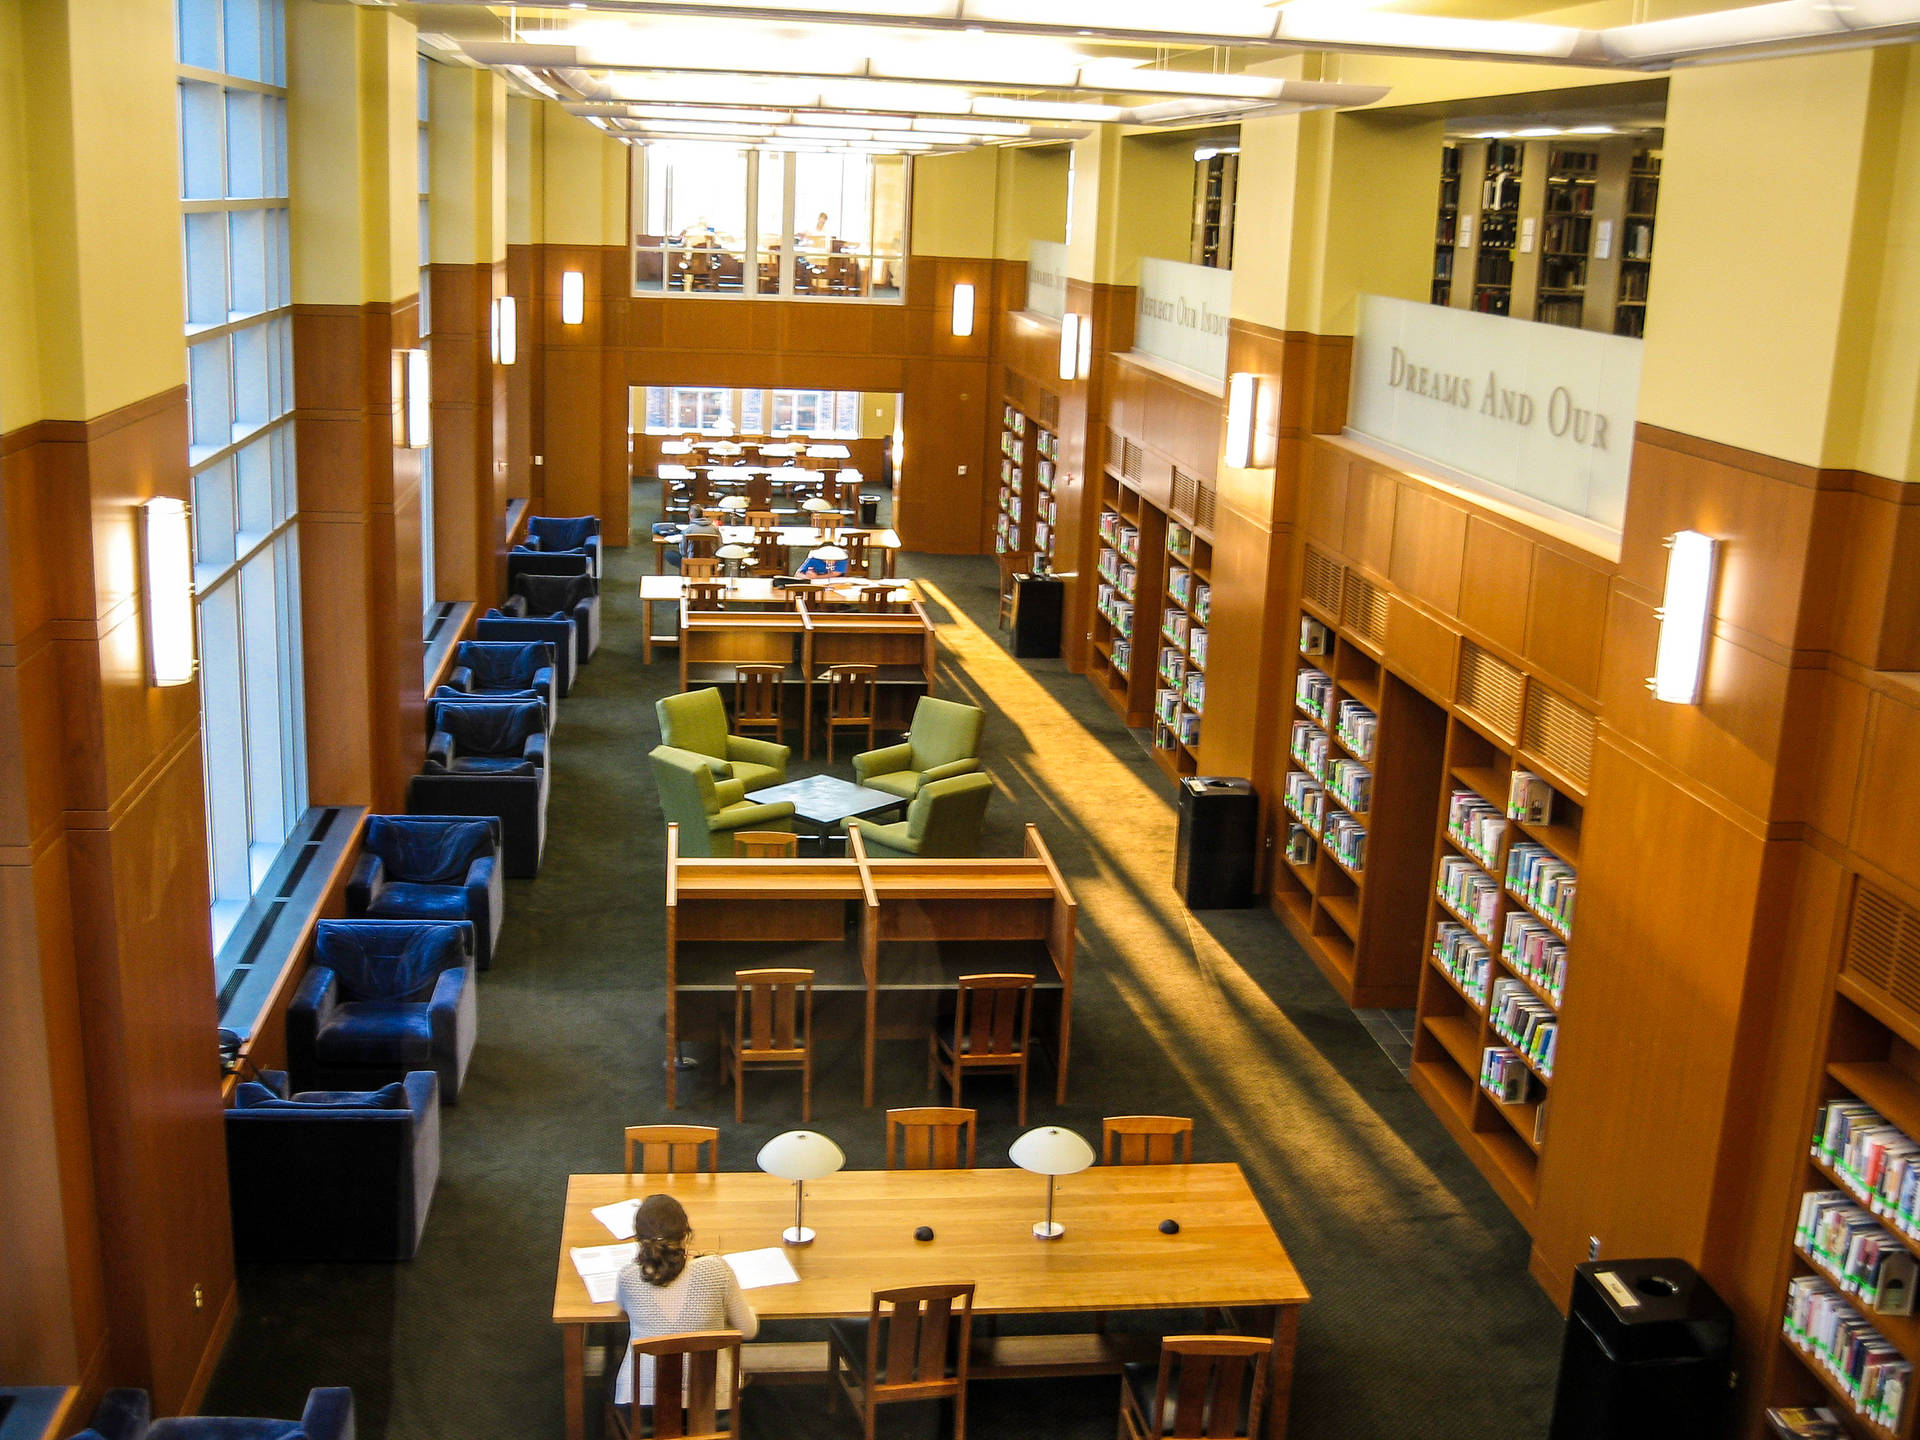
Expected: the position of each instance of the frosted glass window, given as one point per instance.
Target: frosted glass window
(252, 373)
(260, 650)
(253, 469)
(213, 517)
(248, 251)
(199, 33)
(753, 412)
(846, 413)
(246, 55)
(209, 395)
(206, 252)
(246, 145)
(202, 142)
(222, 729)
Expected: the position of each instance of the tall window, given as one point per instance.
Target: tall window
(428, 581)
(824, 414)
(722, 221)
(239, 336)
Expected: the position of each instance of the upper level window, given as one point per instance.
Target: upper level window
(823, 414)
(713, 220)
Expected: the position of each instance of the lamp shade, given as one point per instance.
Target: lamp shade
(851, 477)
(732, 552)
(828, 552)
(733, 502)
(807, 1155)
(1050, 1150)
(815, 503)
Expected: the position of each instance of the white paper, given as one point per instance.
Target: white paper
(618, 1217)
(600, 1266)
(757, 1269)
(1603, 240)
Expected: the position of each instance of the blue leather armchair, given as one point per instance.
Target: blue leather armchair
(330, 1174)
(575, 596)
(510, 622)
(432, 867)
(382, 998)
(489, 758)
(502, 670)
(128, 1415)
(566, 532)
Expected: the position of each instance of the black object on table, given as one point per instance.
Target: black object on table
(1213, 858)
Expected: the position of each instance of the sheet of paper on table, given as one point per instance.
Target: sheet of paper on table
(600, 1266)
(756, 1269)
(618, 1217)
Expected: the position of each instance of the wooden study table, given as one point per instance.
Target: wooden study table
(1112, 1256)
(993, 914)
(744, 590)
(887, 542)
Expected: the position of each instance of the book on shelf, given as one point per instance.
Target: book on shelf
(1805, 1422)
(1202, 602)
(1506, 1076)
(1306, 799)
(1524, 1021)
(1179, 584)
(1346, 837)
(1529, 798)
(1536, 952)
(1867, 1369)
(1314, 637)
(1173, 665)
(1462, 956)
(1351, 784)
(1471, 892)
(1877, 1161)
(1313, 689)
(1173, 624)
(1476, 827)
(1126, 580)
(1109, 526)
(1128, 543)
(1163, 737)
(1123, 656)
(1870, 1262)
(1197, 646)
(1166, 705)
(1188, 728)
(1179, 539)
(1196, 691)
(1545, 880)
(1300, 845)
(1309, 748)
(1355, 724)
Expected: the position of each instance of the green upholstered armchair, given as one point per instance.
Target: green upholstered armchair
(697, 721)
(704, 807)
(944, 742)
(943, 823)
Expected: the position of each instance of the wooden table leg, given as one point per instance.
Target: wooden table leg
(1286, 1330)
(646, 632)
(573, 1346)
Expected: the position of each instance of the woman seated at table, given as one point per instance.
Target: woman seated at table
(697, 524)
(667, 1292)
(827, 560)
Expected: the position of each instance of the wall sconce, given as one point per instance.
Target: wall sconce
(166, 544)
(506, 330)
(573, 297)
(1243, 389)
(1070, 324)
(963, 310)
(1686, 612)
(413, 388)
(1086, 346)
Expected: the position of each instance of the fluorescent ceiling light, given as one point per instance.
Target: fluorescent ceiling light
(1088, 113)
(1686, 616)
(1333, 22)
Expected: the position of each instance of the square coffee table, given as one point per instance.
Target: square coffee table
(823, 801)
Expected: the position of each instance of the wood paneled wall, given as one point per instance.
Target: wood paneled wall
(469, 434)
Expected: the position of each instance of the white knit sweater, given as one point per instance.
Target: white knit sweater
(704, 1296)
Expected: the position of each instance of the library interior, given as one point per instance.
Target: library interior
(549, 550)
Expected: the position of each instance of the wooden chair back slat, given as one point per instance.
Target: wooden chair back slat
(759, 696)
(854, 542)
(701, 546)
(671, 1149)
(850, 692)
(772, 1027)
(759, 493)
(765, 845)
(758, 520)
(705, 595)
(931, 1137)
(993, 1015)
(687, 1400)
(1216, 1385)
(699, 567)
(1146, 1140)
(926, 1327)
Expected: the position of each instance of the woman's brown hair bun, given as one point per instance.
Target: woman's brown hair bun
(660, 1226)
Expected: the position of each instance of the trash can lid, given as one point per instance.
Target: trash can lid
(1217, 785)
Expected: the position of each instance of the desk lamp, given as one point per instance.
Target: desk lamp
(803, 1155)
(1050, 1151)
(735, 503)
(815, 503)
(733, 555)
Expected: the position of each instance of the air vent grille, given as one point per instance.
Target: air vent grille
(1490, 689)
(1364, 609)
(1320, 580)
(1194, 499)
(1883, 946)
(1049, 410)
(1131, 457)
(1559, 732)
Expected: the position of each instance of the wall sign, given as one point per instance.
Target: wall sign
(1182, 315)
(1047, 278)
(1540, 411)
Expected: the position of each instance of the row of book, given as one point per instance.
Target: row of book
(1043, 474)
(1179, 540)
(1535, 952)
(1499, 230)
(1123, 656)
(1356, 726)
(1013, 420)
(1117, 611)
(1805, 1422)
(1110, 523)
(1309, 748)
(1493, 267)
(1876, 1160)
(1194, 692)
(1300, 845)
(1315, 638)
(1869, 1261)
(1476, 827)
(1006, 472)
(1869, 1371)
(1566, 310)
(1122, 576)
(1313, 689)
(1346, 837)
(1047, 444)
(1473, 894)
(1173, 664)
(1173, 624)
(1529, 798)
(1461, 954)
(1306, 799)
(1351, 784)
(1562, 272)
(1545, 880)
(1567, 235)
(1506, 1076)
(1014, 448)
(1181, 723)
(1524, 1021)
(1183, 589)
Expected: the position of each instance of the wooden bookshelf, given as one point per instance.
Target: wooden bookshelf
(1492, 934)
(1566, 235)
(1130, 585)
(1636, 244)
(1215, 183)
(1499, 228)
(1367, 750)
(1013, 523)
(1179, 697)
(1446, 233)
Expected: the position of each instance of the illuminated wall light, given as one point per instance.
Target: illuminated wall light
(573, 297)
(1086, 346)
(963, 310)
(1069, 345)
(166, 543)
(414, 426)
(1685, 613)
(506, 330)
(1243, 390)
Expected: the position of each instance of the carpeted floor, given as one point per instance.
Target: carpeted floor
(1423, 1324)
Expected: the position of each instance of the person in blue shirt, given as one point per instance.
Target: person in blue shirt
(827, 560)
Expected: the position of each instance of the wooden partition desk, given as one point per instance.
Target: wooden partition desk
(900, 645)
(1112, 1256)
(900, 914)
(887, 542)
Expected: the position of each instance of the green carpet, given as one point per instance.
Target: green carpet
(1424, 1322)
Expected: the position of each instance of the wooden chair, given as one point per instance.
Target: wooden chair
(759, 494)
(759, 520)
(769, 553)
(1146, 1139)
(850, 702)
(699, 567)
(688, 1367)
(826, 524)
(854, 542)
(929, 1138)
(671, 1149)
(759, 696)
(772, 1029)
(928, 1331)
(1209, 1387)
(698, 547)
(765, 845)
(992, 1021)
(705, 595)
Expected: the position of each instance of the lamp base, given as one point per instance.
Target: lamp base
(797, 1235)
(1049, 1230)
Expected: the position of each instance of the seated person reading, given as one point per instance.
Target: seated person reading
(697, 524)
(667, 1292)
(827, 560)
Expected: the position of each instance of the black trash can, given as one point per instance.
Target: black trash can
(1647, 1356)
(869, 511)
(1213, 859)
(1038, 603)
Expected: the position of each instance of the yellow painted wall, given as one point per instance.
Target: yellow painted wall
(1263, 218)
(1380, 215)
(583, 180)
(399, 128)
(1149, 212)
(1761, 177)
(20, 397)
(877, 414)
(467, 196)
(953, 210)
(101, 136)
(1093, 161)
(1030, 199)
(526, 190)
